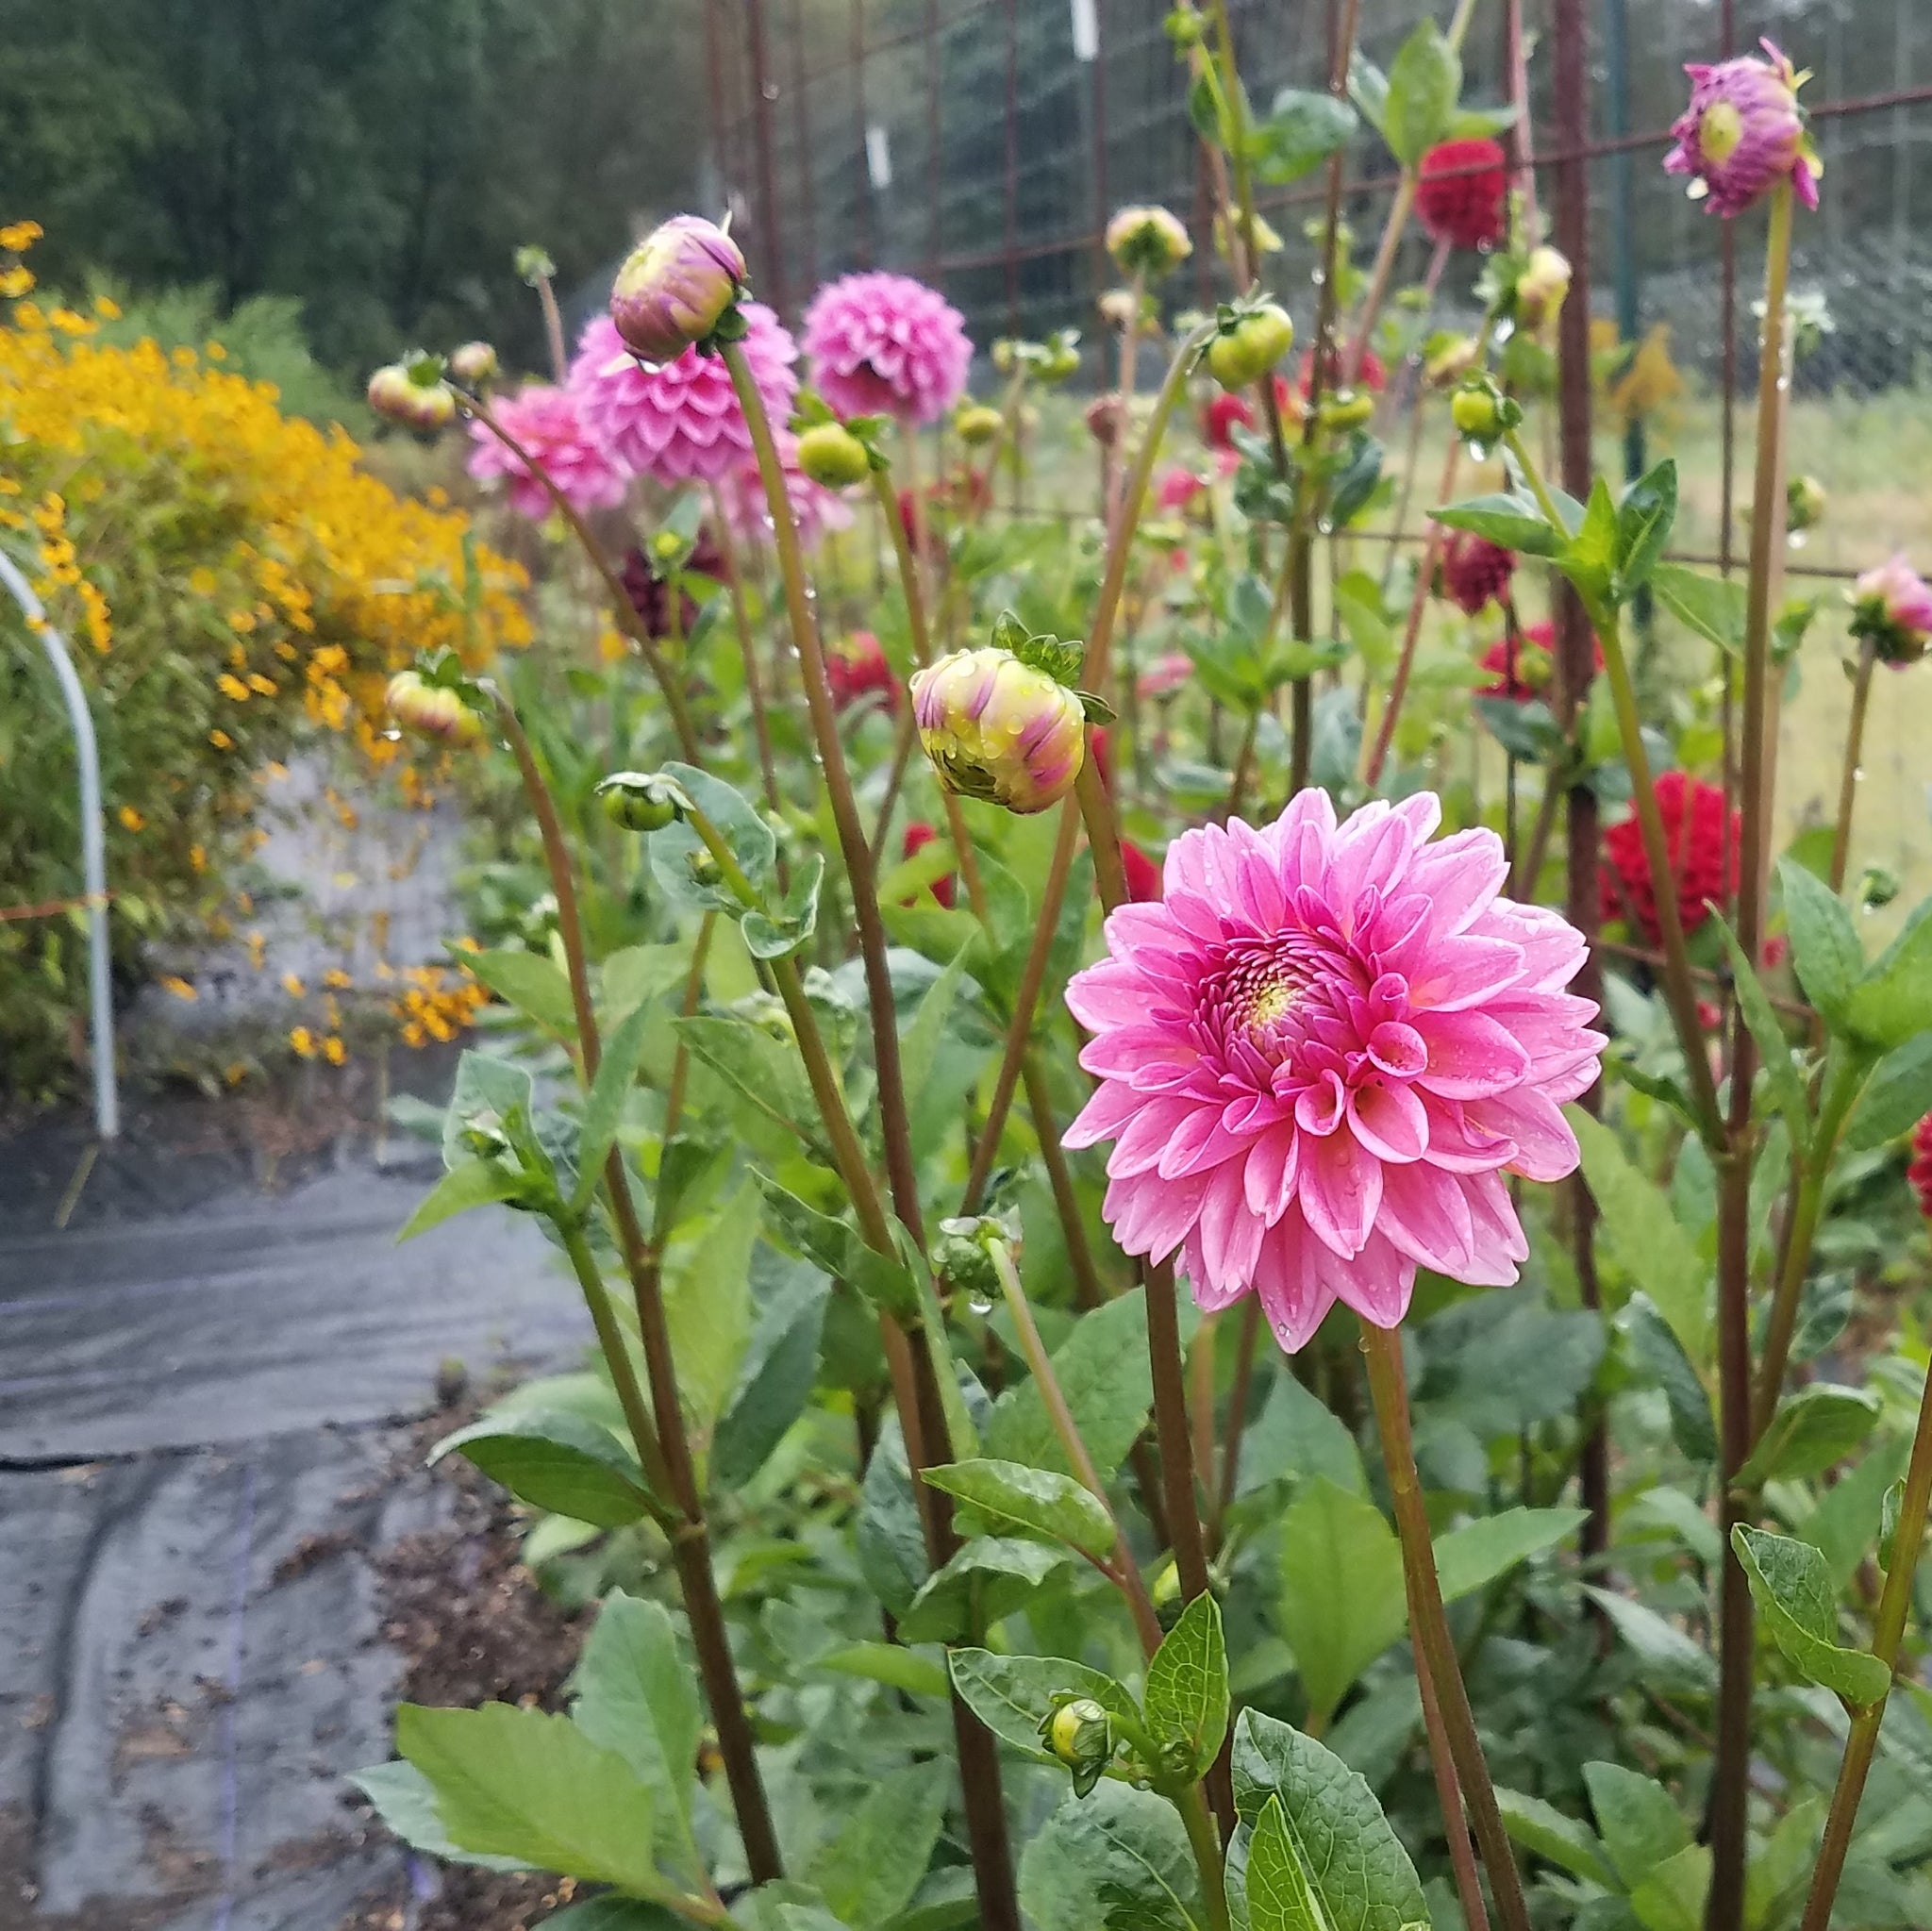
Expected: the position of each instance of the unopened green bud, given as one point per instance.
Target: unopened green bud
(704, 869)
(831, 454)
(415, 395)
(1147, 242)
(1345, 410)
(473, 364)
(1250, 346)
(1542, 287)
(1805, 502)
(1446, 365)
(1878, 886)
(640, 801)
(977, 423)
(1081, 1733)
(1477, 413)
(961, 1264)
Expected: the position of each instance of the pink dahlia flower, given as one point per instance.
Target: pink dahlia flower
(1323, 1054)
(679, 422)
(886, 345)
(547, 422)
(1892, 610)
(1919, 1172)
(1742, 130)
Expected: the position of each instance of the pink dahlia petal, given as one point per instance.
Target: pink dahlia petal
(1319, 1054)
(883, 344)
(547, 424)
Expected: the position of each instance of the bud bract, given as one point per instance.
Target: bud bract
(833, 457)
(675, 287)
(1147, 242)
(1250, 346)
(432, 710)
(1079, 1732)
(961, 1264)
(1542, 287)
(977, 423)
(473, 364)
(999, 730)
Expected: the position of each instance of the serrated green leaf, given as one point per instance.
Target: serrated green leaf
(872, 1868)
(1114, 1858)
(913, 1671)
(1589, 559)
(986, 1580)
(1672, 1659)
(1640, 1825)
(1279, 1895)
(604, 1103)
(763, 1070)
(1645, 518)
(780, 933)
(1713, 606)
(707, 1286)
(1297, 1435)
(1302, 130)
(1671, 1896)
(1896, 1098)
(554, 1459)
(1546, 1832)
(775, 1377)
(1827, 954)
(406, 1799)
(1774, 1048)
(1514, 521)
(1692, 1425)
(1792, 1590)
(1894, 1001)
(1011, 1495)
(1185, 1698)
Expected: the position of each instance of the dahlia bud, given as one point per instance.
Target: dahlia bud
(977, 423)
(641, 801)
(1446, 366)
(1805, 502)
(1477, 413)
(1147, 242)
(1006, 354)
(960, 1262)
(1063, 357)
(1744, 131)
(473, 364)
(1267, 237)
(675, 287)
(1542, 287)
(998, 729)
(1346, 412)
(432, 710)
(399, 394)
(1250, 346)
(1081, 1733)
(1120, 308)
(1104, 420)
(1892, 610)
(832, 455)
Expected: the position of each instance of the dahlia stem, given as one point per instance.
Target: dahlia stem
(1429, 1625)
(1123, 395)
(909, 568)
(625, 611)
(1469, 1887)
(1893, 1607)
(694, 991)
(1121, 1571)
(1379, 275)
(747, 650)
(1731, 1770)
(1247, 1346)
(1103, 836)
(1855, 748)
(665, 1449)
(1210, 1860)
(1413, 630)
(979, 1767)
(552, 329)
(896, 778)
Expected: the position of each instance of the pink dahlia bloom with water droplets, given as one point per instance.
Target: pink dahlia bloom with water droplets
(1323, 1054)
(886, 345)
(679, 422)
(547, 422)
(1744, 130)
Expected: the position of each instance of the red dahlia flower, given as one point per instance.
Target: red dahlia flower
(1475, 572)
(1460, 193)
(918, 836)
(1703, 857)
(1919, 1171)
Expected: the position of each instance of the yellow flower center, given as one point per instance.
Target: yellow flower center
(1719, 132)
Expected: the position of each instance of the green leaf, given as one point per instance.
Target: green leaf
(761, 1067)
(1297, 1435)
(1424, 83)
(604, 1103)
(406, 1800)
(609, 1912)
(1894, 1001)
(1851, 1511)
(1011, 1495)
(636, 1694)
(1694, 1428)
(1114, 1858)
(1279, 1896)
(776, 1376)
(1474, 1555)
(781, 932)
(555, 1461)
(1671, 1660)
(1545, 1832)
(869, 1871)
(475, 1183)
(1650, 1246)
(1793, 1593)
(1713, 606)
(1343, 1601)
(919, 1044)
(708, 1305)
(532, 983)
(1185, 1698)
(1644, 516)
(1671, 1897)
(488, 1092)
(638, 974)
(1589, 559)
(1514, 521)
(1827, 954)
(1638, 1821)
(1302, 130)
(1774, 1048)
(520, 1783)
(1813, 1429)
(911, 1670)
(1368, 88)
(1357, 1871)
(890, 1541)
(1014, 1696)
(986, 1580)
(747, 837)
(1897, 1097)
(1102, 1369)
(1782, 1863)
(883, 1280)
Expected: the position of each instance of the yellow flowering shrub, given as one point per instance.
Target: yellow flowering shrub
(231, 580)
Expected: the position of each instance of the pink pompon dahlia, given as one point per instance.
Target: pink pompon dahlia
(1322, 1054)
(1744, 130)
(886, 345)
(679, 422)
(1892, 610)
(548, 423)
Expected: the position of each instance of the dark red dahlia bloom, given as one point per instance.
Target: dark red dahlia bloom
(1460, 193)
(1534, 664)
(1703, 857)
(1143, 875)
(1373, 378)
(1919, 1171)
(1475, 572)
(856, 667)
(918, 836)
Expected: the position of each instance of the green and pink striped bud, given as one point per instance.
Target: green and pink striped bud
(1892, 610)
(675, 286)
(998, 729)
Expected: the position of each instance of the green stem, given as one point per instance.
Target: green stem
(1855, 748)
(1204, 1842)
(1893, 1607)
(747, 650)
(1429, 1625)
(1122, 1570)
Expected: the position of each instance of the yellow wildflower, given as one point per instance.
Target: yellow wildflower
(130, 819)
(292, 986)
(304, 1042)
(179, 988)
